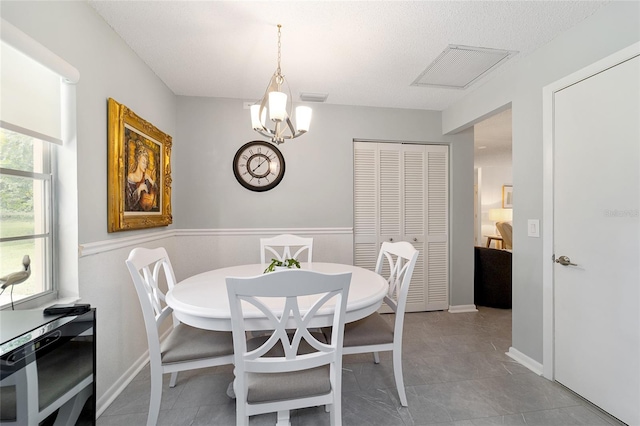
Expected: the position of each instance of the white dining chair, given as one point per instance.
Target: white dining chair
(292, 367)
(185, 348)
(282, 247)
(374, 333)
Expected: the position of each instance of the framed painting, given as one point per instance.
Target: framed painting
(139, 172)
(507, 196)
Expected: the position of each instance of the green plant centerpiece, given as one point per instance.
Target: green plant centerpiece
(279, 264)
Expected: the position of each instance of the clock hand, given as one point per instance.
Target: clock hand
(258, 166)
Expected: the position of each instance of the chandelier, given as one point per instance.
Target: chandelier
(277, 104)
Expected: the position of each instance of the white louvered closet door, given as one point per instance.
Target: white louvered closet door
(401, 193)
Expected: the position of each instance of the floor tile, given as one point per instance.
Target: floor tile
(455, 369)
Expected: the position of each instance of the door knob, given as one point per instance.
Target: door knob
(415, 240)
(391, 239)
(565, 261)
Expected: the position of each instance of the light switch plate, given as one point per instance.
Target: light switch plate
(533, 228)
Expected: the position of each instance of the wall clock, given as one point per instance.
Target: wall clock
(258, 166)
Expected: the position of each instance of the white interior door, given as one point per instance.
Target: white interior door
(596, 224)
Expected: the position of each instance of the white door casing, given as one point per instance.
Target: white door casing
(592, 194)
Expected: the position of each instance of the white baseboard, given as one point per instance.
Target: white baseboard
(458, 309)
(112, 393)
(523, 359)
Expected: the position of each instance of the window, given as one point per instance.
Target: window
(37, 155)
(25, 214)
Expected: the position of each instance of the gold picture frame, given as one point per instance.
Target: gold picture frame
(507, 196)
(139, 172)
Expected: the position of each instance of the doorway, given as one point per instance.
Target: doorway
(493, 170)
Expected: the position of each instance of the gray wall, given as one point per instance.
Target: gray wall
(612, 28)
(108, 68)
(317, 190)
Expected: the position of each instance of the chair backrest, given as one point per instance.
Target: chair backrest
(289, 300)
(396, 262)
(280, 247)
(506, 231)
(145, 266)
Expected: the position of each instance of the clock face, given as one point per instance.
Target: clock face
(258, 166)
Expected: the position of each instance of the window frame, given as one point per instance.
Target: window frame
(47, 177)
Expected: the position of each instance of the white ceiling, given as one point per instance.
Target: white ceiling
(363, 53)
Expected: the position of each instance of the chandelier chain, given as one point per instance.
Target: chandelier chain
(279, 47)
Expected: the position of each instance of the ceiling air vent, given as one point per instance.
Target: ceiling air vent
(313, 97)
(459, 66)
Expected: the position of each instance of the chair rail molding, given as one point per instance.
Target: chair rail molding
(89, 249)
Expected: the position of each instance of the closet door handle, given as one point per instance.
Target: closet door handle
(391, 239)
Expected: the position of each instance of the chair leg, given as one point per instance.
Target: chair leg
(335, 415)
(284, 418)
(241, 416)
(174, 379)
(376, 357)
(156, 398)
(397, 371)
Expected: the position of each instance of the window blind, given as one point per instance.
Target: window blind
(31, 77)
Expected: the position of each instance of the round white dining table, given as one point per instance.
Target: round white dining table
(202, 301)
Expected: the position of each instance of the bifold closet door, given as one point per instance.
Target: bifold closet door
(401, 194)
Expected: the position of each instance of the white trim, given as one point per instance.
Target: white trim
(262, 231)
(36, 51)
(547, 193)
(120, 385)
(458, 309)
(97, 247)
(521, 358)
(89, 249)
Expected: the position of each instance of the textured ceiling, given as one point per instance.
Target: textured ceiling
(359, 52)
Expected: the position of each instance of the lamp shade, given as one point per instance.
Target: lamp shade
(303, 118)
(277, 106)
(256, 123)
(501, 215)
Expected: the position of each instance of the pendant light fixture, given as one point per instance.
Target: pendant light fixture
(277, 105)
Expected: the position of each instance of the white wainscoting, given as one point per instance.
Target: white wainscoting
(197, 251)
(105, 284)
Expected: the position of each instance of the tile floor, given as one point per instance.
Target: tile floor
(455, 369)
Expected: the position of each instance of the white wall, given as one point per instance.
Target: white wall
(612, 28)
